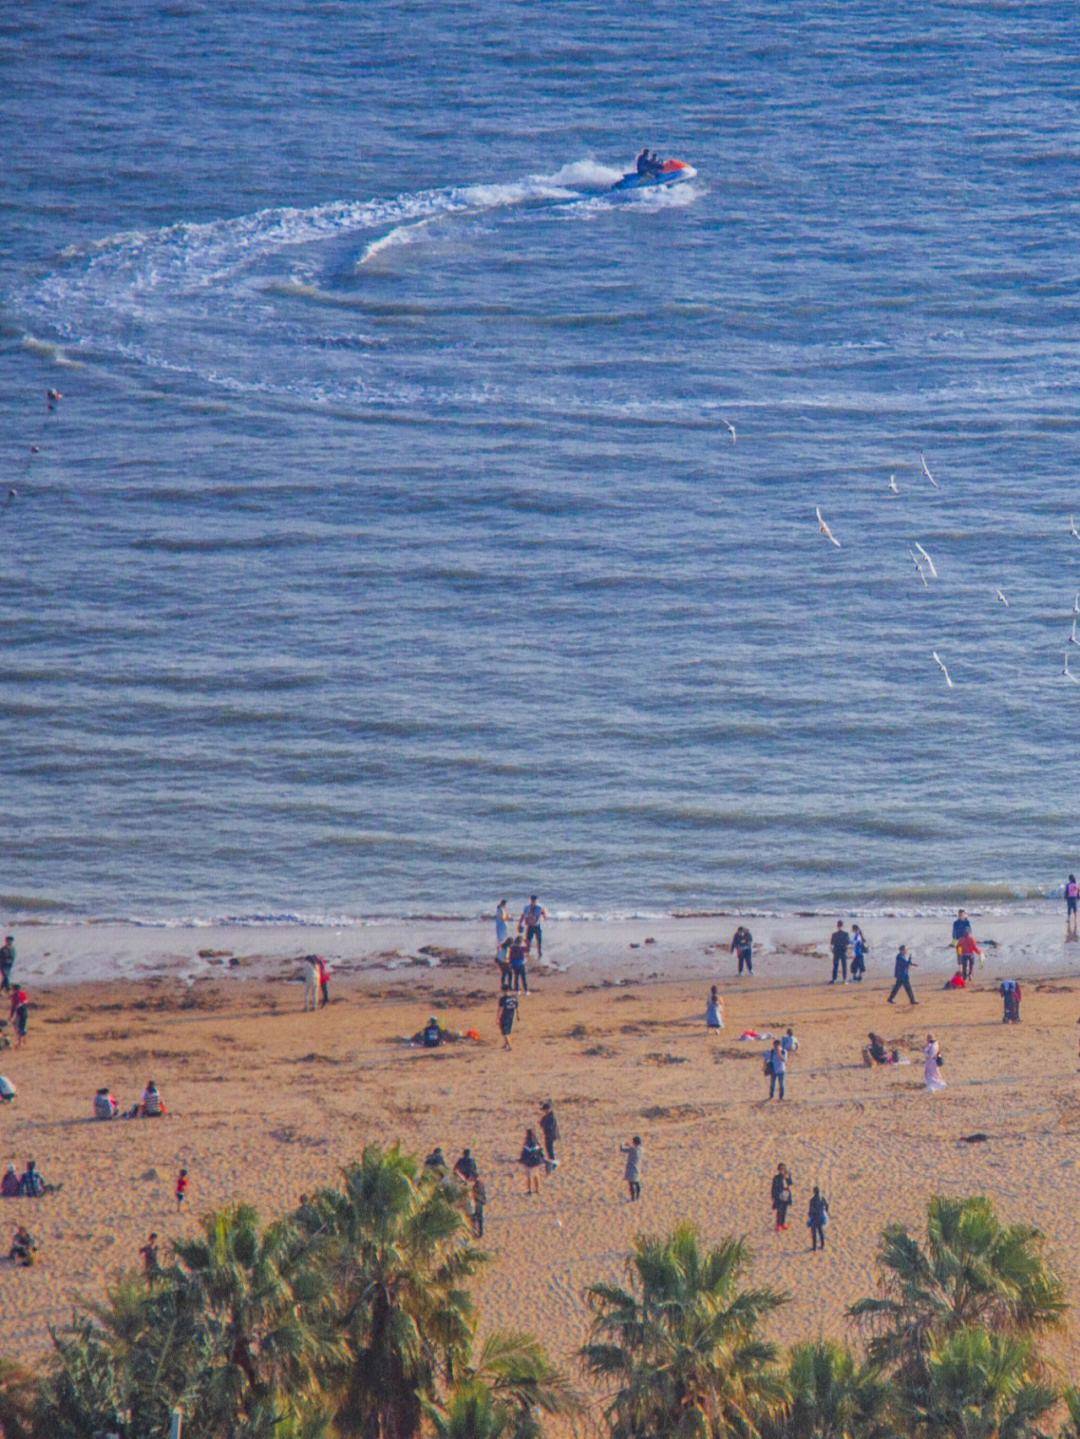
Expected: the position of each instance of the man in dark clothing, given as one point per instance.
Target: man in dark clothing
(643, 162)
(466, 1167)
(839, 941)
(961, 926)
(742, 944)
(7, 961)
(549, 1128)
(903, 964)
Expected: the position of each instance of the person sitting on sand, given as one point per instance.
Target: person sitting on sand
(22, 1247)
(7, 1090)
(875, 1052)
(9, 1185)
(431, 1036)
(1011, 996)
(32, 1184)
(106, 1105)
(956, 982)
(151, 1106)
(714, 1010)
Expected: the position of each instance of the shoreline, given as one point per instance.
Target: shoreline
(791, 947)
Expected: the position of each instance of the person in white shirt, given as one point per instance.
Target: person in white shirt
(311, 982)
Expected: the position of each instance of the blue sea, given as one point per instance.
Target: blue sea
(389, 549)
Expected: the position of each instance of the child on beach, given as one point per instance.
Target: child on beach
(531, 1160)
(324, 981)
(181, 1189)
(635, 1165)
(714, 1010)
(932, 1067)
(106, 1105)
(859, 947)
(789, 1044)
(311, 982)
(507, 1012)
(20, 1013)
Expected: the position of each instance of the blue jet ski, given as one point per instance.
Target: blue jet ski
(671, 172)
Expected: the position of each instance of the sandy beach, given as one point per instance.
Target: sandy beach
(268, 1101)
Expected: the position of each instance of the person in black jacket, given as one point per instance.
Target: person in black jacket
(549, 1128)
(781, 1195)
(839, 941)
(817, 1218)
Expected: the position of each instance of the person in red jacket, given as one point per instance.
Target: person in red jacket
(20, 1013)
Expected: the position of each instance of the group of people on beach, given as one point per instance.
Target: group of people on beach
(150, 1106)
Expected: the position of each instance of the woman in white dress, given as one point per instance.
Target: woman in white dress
(931, 1072)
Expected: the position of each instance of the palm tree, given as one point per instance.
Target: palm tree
(973, 1270)
(979, 1386)
(681, 1343)
(392, 1243)
(522, 1380)
(832, 1396)
(1071, 1399)
(19, 1391)
(472, 1412)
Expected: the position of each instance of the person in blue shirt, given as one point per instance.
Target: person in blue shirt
(776, 1068)
(859, 947)
(839, 941)
(901, 968)
(961, 926)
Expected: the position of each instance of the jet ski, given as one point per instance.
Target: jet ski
(671, 172)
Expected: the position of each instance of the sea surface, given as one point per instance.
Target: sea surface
(389, 550)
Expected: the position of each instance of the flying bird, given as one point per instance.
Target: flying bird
(731, 427)
(926, 471)
(1072, 637)
(1076, 603)
(918, 568)
(823, 527)
(1072, 529)
(1067, 673)
(999, 595)
(926, 557)
(941, 666)
(893, 486)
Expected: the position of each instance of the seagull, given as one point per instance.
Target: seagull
(918, 568)
(1067, 673)
(938, 661)
(1076, 603)
(1072, 638)
(731, 427)
(823, 527)
(1072, 529)
(926, 471)
(926, 557)
(893, 485)
(999, 595)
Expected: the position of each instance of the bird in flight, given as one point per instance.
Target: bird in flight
(1072, 637)
(926, 557)
(731, 427)
(926, 471)
(999, 595)
(941, 666)
(893, 486)
(1072, 528)
(918, 568)
(823, 527)
(1067, 673)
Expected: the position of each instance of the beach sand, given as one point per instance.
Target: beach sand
(268, 1101)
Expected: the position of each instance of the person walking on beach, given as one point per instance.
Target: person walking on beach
(311, 982)
(149, 1255)
(817, 1218)
(549, 1128)
(839, 941)
(780, 1195)
(518, 971)
(859, 947)
(714, 1010)
(961, 926)
(181, 1189)
(531, 1160)
(7, 961)
(479, 1204)
(634, 1167)
(776, 1068)
(1072, 897)
(966, 951)
(324, 980)
(506, 1014)
(742, 945)
(20, 1014)
(901, 974)
(532, 918)
(502, 926)
(932, 1066)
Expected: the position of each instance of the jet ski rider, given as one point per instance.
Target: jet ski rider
(649, 164)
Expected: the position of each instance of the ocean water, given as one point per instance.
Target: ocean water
(389, 549)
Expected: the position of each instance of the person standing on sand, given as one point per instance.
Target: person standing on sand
(20, 1013)
(714, 1010)
(532, 918)
(789, 1044)
(149, 1256)
(549, 1128)
(932, 1066)
(502, 926)
(904, 963)
(518, 956)
(817, 1218)
(742, 945)
(506, 1014)
(479, 1204)
(839, 942)
(7, 961)
(181, 1189)
(531, 1160)
(324, 980)
(859, 947)
(635, 1166)
(311, 982)
(466, 1167)
(1072, 897)
(780, 1195)
(776, 1068)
